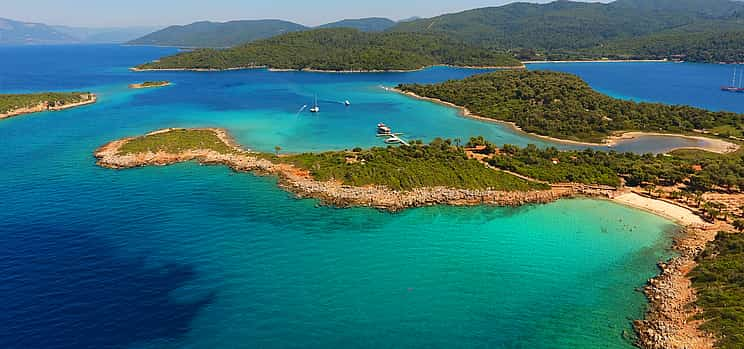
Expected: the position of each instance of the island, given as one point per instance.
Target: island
(150, 84)
(19, 104)
(703, 192)
(339, 50)
(563, 107)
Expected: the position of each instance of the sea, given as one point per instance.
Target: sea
(191, 256)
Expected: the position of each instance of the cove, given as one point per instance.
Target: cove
(193, 256)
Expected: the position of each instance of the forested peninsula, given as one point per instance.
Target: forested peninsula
(563, 106)
(18, 104)
(339, 50)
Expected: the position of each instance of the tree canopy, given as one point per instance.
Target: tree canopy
(562, 105)
(340, 49)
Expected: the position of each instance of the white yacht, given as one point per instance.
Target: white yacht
(315, 108)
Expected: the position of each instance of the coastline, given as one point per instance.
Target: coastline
(299, 181)
(667, 321)
(44, 106)
(313, 70)
(602, 61)
(715, 145)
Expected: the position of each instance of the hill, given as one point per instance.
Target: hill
(22, 33)
(211, 34)
(563, 106)
(364, 24)
(571, 28)
(339, 50)
(105, 35)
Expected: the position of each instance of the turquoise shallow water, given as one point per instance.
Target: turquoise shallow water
(199, 257)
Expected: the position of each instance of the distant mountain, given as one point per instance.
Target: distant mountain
(373, 24)
(409, 19)
(105, 35)
(212, 34)
(22, 33)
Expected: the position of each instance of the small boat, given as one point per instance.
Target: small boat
(315, 108)
(347, 103)
(383, 129)
(734, 87)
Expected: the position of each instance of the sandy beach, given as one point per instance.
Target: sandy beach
(714, 145)
(678, 214)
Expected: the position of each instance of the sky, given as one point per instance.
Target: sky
(117, 13)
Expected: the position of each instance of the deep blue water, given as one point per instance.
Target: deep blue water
(191, 256)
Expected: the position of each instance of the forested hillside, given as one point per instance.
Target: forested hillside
(340, 49)
(565, 29)
(211, 34)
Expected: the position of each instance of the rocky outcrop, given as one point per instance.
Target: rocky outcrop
(669, 322)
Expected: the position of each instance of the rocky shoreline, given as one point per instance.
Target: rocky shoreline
(47, 106)
(669, 320)
(301, 183)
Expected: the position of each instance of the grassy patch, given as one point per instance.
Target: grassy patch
(9, 102)
(176, 141)
(719, 280)
(408, 167)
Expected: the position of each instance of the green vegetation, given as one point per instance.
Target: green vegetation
(339, 49)
(9, 102)
(210, 34)
(373, 24)
(719, 281)
(154, 83)
(176, 141)
(563, 106)
(621, 29)
(709, 45)
(408, 167)
(592, 167)
(147, 84)
(698, 171)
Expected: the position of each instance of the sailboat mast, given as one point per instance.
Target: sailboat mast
(733, 79)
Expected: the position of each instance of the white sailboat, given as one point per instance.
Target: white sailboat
(315, 108)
